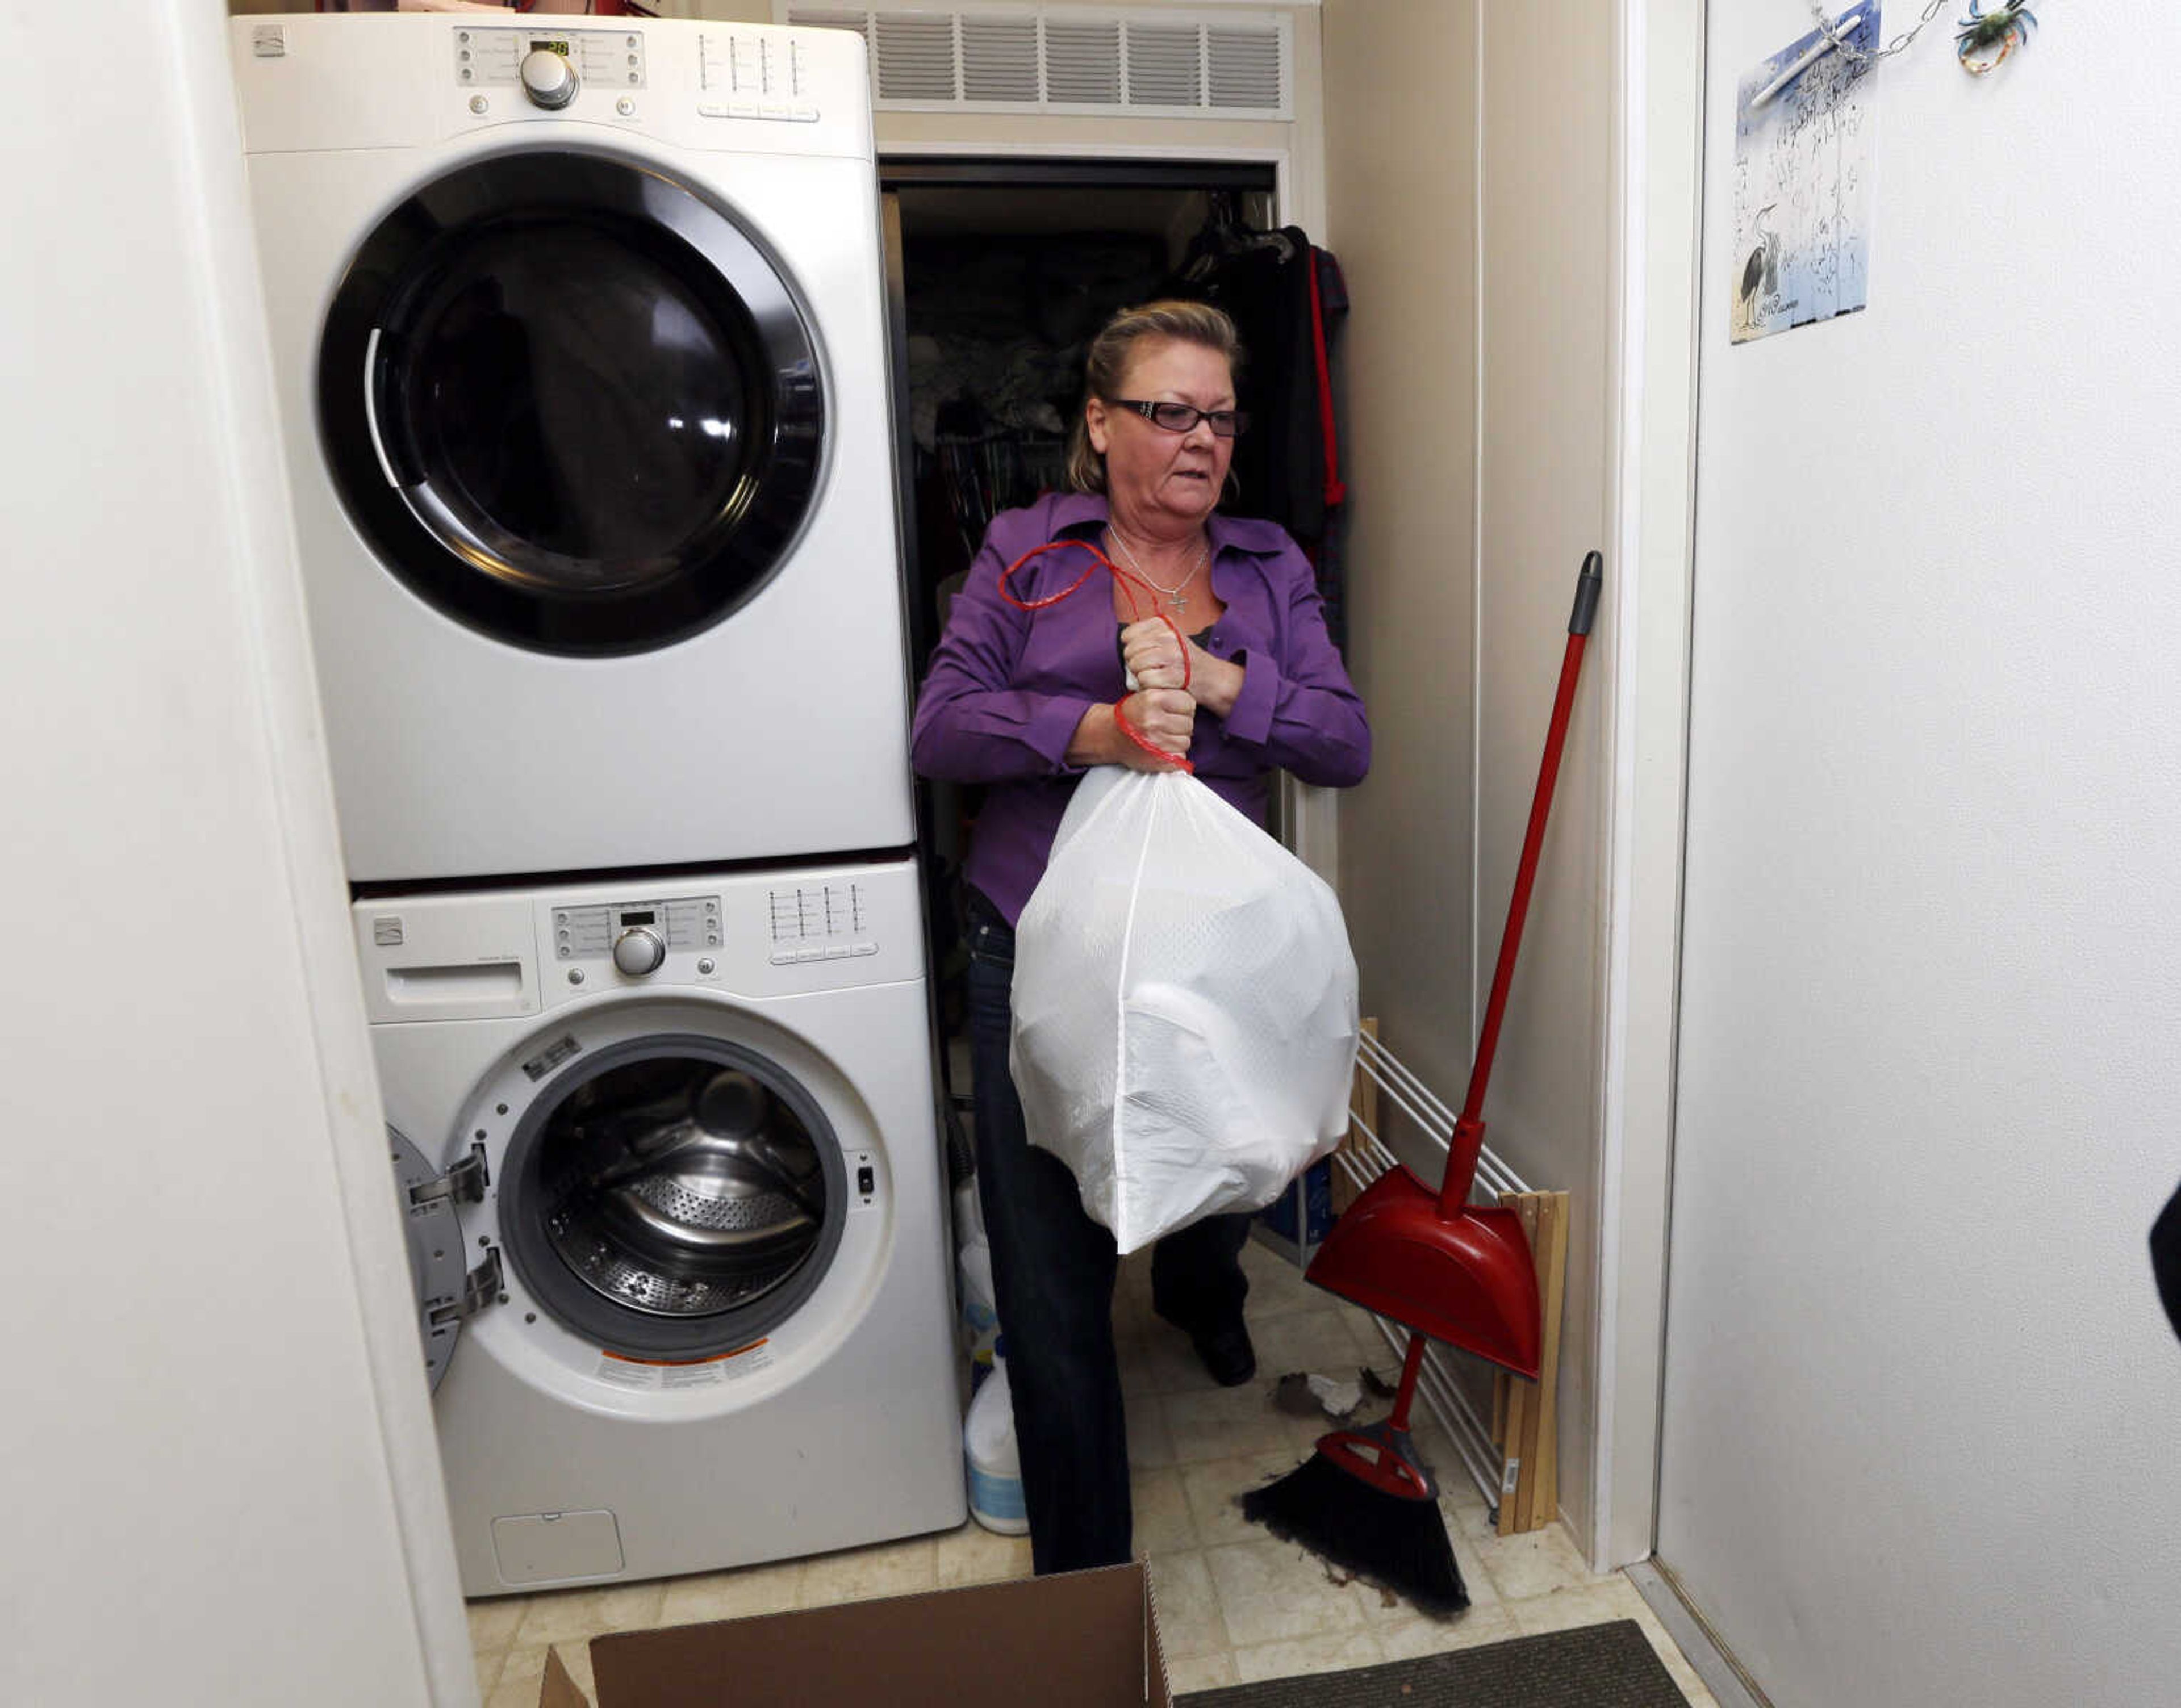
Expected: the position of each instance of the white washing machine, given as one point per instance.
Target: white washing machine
(579, 337)
(668, 1149)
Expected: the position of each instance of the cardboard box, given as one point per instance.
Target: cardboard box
(1082, 1639)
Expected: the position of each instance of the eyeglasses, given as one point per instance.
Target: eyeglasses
(1181, 417)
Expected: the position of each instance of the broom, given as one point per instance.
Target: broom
(1364, 1501)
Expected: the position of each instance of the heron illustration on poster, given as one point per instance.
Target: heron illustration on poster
(1802, 183)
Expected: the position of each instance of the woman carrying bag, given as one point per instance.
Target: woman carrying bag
(1242, 679)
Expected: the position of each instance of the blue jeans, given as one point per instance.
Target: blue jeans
(1052, 1271)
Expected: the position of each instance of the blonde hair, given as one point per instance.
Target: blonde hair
(1107, 362)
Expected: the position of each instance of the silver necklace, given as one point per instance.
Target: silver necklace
(1175, 598)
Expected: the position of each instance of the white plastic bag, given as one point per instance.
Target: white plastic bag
(1184, 1006)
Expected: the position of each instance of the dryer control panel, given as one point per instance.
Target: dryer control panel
(756, 75)
(602, 58)
(311, 83)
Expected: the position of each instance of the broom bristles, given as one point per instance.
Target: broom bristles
(1396, 1544)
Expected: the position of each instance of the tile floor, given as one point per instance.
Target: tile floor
(1234, 1605)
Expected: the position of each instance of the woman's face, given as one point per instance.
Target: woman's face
(1154, 477)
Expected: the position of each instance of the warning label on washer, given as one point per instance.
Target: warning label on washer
(622, 1374)
(552, 1057)
(645, 1375)
(674, 1376)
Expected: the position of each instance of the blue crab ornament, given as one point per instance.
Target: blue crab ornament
(1982, 40)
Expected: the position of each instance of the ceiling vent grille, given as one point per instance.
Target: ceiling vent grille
(1170, 63)
(999, 59)
(1166, 66)
(913, 53)
(1082, 63)
(1242, 68)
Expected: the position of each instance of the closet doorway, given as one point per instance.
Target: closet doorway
(999, 270)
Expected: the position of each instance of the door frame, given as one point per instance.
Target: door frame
(1658, 50)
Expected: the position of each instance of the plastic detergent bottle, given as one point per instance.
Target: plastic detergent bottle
(988, 1440)
(973, 1275)
(979, 1322)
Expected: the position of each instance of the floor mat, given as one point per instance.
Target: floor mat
(1592, 1666)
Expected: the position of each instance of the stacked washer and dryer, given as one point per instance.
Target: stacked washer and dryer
(579, 335)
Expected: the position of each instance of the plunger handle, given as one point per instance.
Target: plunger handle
(1469, 1130)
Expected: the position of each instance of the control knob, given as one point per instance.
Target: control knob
(547, 79)
(638, 950)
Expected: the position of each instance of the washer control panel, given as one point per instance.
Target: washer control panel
(491, 954)
(820, 922)
(636, 936)
(488, 59)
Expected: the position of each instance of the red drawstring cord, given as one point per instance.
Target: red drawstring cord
(1128, 583)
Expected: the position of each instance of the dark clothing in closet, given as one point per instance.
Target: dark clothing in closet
(1286, 299)
(1280, 462)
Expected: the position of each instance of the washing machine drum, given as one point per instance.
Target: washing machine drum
(675, 1196)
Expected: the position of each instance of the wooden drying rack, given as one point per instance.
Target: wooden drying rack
(1512, 1456)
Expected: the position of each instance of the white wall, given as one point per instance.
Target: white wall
(1478, 244)
(1923, 1413)
(219, 1479)
(1401, 102)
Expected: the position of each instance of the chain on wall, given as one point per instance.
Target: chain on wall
(1982, 41)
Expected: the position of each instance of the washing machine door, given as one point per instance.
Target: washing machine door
(448, 1291)
(673, 1196)
(571, 402)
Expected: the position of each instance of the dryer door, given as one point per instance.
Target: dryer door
(672, 1196)
(570, 402)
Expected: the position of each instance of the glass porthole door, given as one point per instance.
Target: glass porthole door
(675, 1197)
(570, 402)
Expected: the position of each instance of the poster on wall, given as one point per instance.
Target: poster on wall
(1802, 129)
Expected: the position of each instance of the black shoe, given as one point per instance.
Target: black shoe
(1226, 1354)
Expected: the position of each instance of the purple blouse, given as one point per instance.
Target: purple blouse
(1007, 687)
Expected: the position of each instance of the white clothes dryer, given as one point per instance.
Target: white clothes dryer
(668, 1151)
(579, 336)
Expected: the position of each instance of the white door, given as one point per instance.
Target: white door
(1922, 1431)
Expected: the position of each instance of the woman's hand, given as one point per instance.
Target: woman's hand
(1155, 653)
(1161, 658)
(1164, 716)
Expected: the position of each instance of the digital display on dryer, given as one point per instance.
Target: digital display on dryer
(638, 916)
